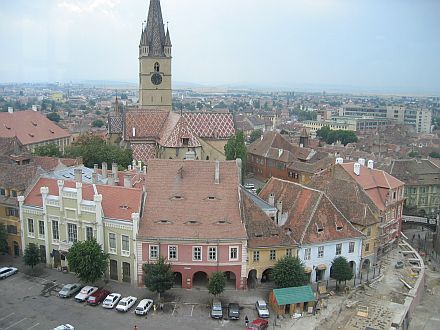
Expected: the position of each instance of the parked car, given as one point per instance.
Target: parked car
(125, 304)
(249, 186)
(85, 293)
(97, 297)
(216, 310)
(69, 290)
(143, 307)
(233, 311)
(66, 326)
(262, 309)
(112, 300)
(258, 324)
(7, 271)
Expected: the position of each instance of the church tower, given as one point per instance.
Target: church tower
(155, 62)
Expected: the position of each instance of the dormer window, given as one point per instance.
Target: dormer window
(319, 228)
(192, 222)
(185, 142)
(34, 123)
(211, 198)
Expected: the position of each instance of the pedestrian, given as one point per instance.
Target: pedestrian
(135, 327)
(161, 306)
(246, 321)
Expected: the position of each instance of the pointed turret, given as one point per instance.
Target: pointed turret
(153, 39)
(167, 38)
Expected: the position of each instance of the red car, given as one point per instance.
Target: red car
(258, 324)
(98, 297)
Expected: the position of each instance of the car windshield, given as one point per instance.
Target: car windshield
(123, 303)
(216, 308)
(262, 305)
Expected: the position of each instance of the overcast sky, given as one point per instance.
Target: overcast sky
(389, 45)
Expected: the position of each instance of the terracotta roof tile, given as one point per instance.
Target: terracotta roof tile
(211, 125)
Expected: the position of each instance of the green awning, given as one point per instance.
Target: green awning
(294, 295)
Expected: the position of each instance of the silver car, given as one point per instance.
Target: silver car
(216, 310)
(262, 309)
(7, 271)
(69, 290)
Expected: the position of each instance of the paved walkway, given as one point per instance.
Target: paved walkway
(188, 296)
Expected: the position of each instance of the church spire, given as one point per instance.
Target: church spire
(153, 38)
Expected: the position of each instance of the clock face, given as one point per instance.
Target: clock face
(156, 78)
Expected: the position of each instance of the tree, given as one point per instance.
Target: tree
(53, 116)
(236, 148)
(50, 150)
(255, 135)
(88, 260)
(332, 136)
(158, 276)
(289, 272)
(31, 256)
(217, 283)
(97, 123)
(434, 154)
(94, 150)
(3, 239)
(341, 270)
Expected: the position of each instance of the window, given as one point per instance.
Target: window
(351, 247)
(288, 252)
(233, 253)
(12, 229)
(156, 67)
(41, 229)
(369, 231)
(212, 253)
(273, 254)
(31, 232)
(112, 242)
(11, 212)
(3, 192)
(125, 245)
(13, 193)
(367, 247)
(154, 251)
(307, 253)
(72, 234)
(55, 231)
(320, 251)
(89, 233)
(256, 256)
(197, 253)
(338, 249)
(172, 252)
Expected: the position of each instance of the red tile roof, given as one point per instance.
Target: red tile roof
(211, 125)
(183, 201)
(30, 127)
(117, 202)
(308, 211)
(52, 163)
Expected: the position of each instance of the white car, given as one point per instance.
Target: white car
(7, 271)
(66, 326)
(125, 304)
(262, 309)
(85, 293)
(111, 300)
(143, 307)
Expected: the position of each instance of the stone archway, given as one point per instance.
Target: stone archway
(366, 264)
(266, 276)
(177, 280)
(353, 266)
(252, 279)
(200, 279)
(231, 279)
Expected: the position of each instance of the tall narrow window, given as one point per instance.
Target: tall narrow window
(172, 252)
(112, 242)
(55, 231)
(125, 245)
(41, 229)
(288, 252)
(89, 233)
(197, 253)
(156, 67)
(31, 227)
(72, 234)
(154, 251)
(351, 247)
(320, 251)
(256, 256)
(273, 254)
(307, 253)
(233, 253)
(212, 253)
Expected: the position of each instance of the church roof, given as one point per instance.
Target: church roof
(211, 125)
(167, 38)
(154, 32)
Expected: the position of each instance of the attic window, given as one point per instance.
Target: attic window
(123, 206)
(177, 197)
(319, 228)
(31, 135)
(7, 127)
(192, 222)
(339, 227)
(52, 131)
(211, 198)
(185, 142)
(34, 123)
(258, 234)
(222, 222)
(164, 222)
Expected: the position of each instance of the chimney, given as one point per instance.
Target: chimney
(34, 107)
(95, 168)
(133, 164)
(280, 206)
(129, 167)
(134, 131)
(78, 174)
(127, 179)
(271, 200)
(94, 177)
(79, 196)
(10, 109)
(104, 170)
(139, 165)
(357, 168)
(111, 179)
(370, 164)
(339, 160)
(144, 169)
(60, 192)
(361, 161)
(217, 172)
(115, 171)
(280, 152)
(239, 163)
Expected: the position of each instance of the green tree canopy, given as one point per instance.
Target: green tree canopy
(31, 255)
(158, 276)
(236, 148)
(88, 260)
(434, 154)
(217, 283)
(341, 270)
(53, 116)
(94, 150)
(289, 272)
(255, 135)
(3, 239)
(331, 136)
(50, 150)
(97, 123)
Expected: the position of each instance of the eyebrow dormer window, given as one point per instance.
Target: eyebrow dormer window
(156, 67)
